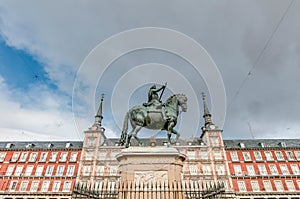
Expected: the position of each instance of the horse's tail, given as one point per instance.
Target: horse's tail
(124, 131)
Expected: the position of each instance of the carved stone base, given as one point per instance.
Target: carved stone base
(150, 164)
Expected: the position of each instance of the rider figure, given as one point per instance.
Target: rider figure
(153, 98)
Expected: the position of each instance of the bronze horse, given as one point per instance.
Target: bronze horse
(161, 117)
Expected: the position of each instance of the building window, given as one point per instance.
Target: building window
(13, 185)
(45, 186)
(247, 156)
(279, 156)
(18, 170)
(89, 155)
(73, 157)
(206, 169)
(63, 157)
(32, 157)
(56, 186)
(53, 157)
(15, 157)
(295, 169)
(193, 169)
(267, 185)
(43, 157)
(251, 170)
(67, 186)
(28, 171)
(284, 169)
(2, 156)
(203, 155)
(9, 170)
(49, 171)
(23, 186)
(241, 185)
(218, 155)
(99, 170)
(298, 182)
(290, 155)
(34, 186)
(234, 156)
(191, 155)
(255, 185)
(23, 157)
(102, 155)
(90, 141)
(273, 169)
(297, 154)
(269, 156)
(278, 185)
(113, 170)
(70, 170)
(60, 170)
(242, 145)
(220, 169)
(258, 156)
(290, 185)
(262, 169)
(237, 170)
(215, 141)
(86, 170)
(39, 170)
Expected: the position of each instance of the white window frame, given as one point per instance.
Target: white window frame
(9, 170)
(70, 171)
(34, 186)
(49, 170)
(269, 156)
(13, 185)
(28, 170)
(45, 186)
(194, 169)
(24, 186)
(56, 186)
(43, 157)
(290, 185)
(278, 185)
(67, 186)
(279, 156)
(246, 156)
(295, 169)
(273, 169)
(234, 156)
(220, 169)
(255, 185)
(33, 157)
(250, 170)
(258, 156)
(86, 169)
(60, 170)
(215, 141)
(262, 169)
(18, 171)
(267, 185)
(100, 170)
(204, 155)
(23, 157)
(206, 168)
(218, 155)
(237, 170)
(297, 154)
(73, 157)
(53, 157)
(39, 170)
(290, 155)
(113, 170)
(242, 187)
(63, 157)
(2, 156)
(190, 154)
(284, 169)
(15, 157)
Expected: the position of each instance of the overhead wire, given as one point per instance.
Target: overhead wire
(260, 55)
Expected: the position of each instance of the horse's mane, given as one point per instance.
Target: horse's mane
(178, 96)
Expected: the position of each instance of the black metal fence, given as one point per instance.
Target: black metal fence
(175, 190)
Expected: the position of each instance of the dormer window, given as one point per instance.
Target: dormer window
(9, 145)
(31, 145)
(68, 145)
(262, 145)
(50, 145)
(282, 144)
(242, 145)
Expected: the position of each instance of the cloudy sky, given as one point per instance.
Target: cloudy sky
(48, 88)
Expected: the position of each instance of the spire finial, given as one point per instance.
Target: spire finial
(207, 115)
(99, 117)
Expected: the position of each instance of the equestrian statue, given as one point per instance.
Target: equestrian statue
(154, 115)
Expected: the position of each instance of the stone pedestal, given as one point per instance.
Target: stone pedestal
(150, 164)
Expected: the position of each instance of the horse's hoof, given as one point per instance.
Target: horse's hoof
(127, 145)
(169, 144)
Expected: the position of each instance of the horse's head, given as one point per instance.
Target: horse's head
(182, 101)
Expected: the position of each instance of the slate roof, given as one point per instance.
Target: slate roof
(41, 145)
(262, 143)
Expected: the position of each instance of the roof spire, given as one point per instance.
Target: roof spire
(207, 115)
(98, 116)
